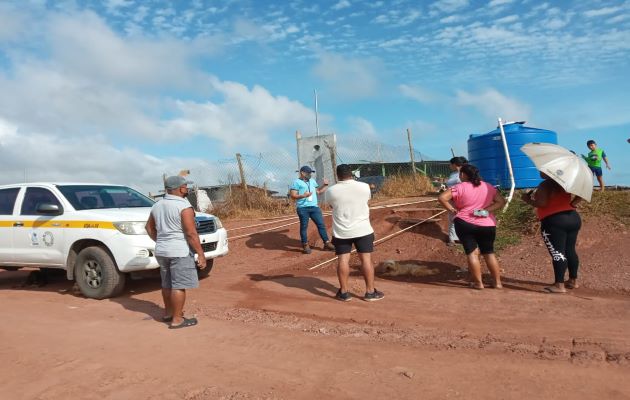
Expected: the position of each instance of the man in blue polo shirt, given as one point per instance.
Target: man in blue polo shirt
(305, 190)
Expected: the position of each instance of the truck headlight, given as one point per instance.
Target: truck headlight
(217, 223)
(131, 227)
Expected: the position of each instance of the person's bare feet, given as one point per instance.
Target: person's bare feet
(475, 285)
(497, 285)
(572, 284)
(555, 289)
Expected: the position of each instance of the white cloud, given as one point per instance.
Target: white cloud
(350, 77)
(601, 12)
(93, 82)
(12, 23)
(361, 127)
(86, 46)
(495, 3)
(508, 19)
(409, 18)
(417, 93)
(450, 5)
(382, 19)
(341, 5)
(113, 6)
(245, 117)
(451, 19)
(492, 104)
(88, 159)
(393, 42)
(617, 19)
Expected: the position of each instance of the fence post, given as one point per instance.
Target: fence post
(298, 137)
(241, 171)
(413, 163)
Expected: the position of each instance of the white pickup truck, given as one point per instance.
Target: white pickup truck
(93, 231)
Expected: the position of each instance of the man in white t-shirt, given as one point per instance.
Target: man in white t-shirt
(351, 226)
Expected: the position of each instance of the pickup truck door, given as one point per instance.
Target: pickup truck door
(7, 219)
(38, 239)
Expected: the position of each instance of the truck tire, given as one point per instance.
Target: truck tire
(203, 273)
(97, 275)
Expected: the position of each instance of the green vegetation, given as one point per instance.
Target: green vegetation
(520, 219)
(612, 203)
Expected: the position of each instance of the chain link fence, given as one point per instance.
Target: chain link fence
(275, 170)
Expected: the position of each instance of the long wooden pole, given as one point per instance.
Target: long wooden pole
(413, 163)
(241, 171)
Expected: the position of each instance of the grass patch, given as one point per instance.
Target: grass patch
(610, 202)
(396, 186)
(520, 218)
(517, 221)
(252, 203)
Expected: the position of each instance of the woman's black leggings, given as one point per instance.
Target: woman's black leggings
(559, 232)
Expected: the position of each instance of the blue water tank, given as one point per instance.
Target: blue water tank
(486, 152)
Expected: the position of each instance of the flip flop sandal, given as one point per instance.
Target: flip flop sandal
(169, 319)
(185, 323)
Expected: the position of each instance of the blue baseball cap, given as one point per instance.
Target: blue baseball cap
(307, 169)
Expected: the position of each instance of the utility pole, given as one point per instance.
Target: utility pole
(316, 115)
(413, 163)
(241, 171)
(298, 137)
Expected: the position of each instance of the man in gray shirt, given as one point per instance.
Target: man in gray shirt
(172, 227)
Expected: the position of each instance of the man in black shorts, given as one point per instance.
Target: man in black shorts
(351, 226)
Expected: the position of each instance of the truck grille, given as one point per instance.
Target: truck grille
(212, 246)
(205, 225)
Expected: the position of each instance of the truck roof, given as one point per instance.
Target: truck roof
(58, 184)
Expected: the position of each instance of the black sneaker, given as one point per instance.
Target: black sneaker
(343, 296)
(374, 296)
(306, 249)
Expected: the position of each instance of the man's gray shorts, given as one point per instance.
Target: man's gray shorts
(178, 272)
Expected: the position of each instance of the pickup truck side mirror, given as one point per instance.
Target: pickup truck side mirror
(49, 209)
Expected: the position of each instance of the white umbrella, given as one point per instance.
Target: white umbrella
(566, 168)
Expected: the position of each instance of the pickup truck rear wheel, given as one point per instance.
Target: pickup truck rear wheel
(97, 275)
(203, 273)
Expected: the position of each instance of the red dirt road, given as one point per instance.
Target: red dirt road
(269, 329)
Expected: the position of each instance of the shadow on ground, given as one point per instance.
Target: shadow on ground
(310, 284)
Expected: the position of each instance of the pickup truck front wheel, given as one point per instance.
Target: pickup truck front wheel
(204, 272)
(97, 275)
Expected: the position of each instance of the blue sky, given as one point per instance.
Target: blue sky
(124, 90)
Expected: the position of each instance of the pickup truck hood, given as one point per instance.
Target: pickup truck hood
(124, 214)
(118, 214)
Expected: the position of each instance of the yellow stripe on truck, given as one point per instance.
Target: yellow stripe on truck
(59, 224)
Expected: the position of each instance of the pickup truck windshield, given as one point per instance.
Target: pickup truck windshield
(91, 197)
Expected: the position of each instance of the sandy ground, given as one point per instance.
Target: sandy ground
(269, 328)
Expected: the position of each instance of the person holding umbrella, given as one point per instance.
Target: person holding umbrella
(566, 181)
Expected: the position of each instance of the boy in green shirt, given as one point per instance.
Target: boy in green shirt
(594, 161)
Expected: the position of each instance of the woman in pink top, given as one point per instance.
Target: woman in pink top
(473, 202)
